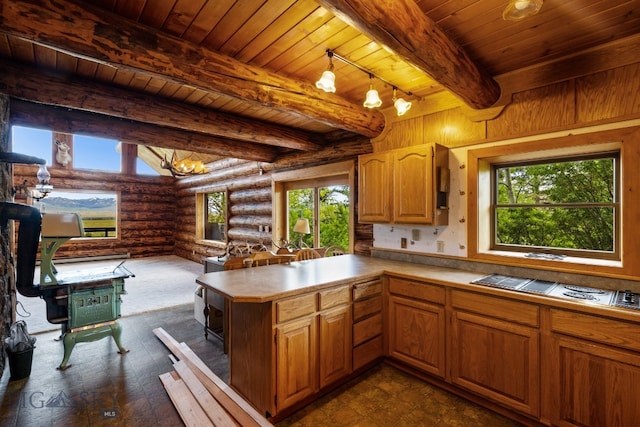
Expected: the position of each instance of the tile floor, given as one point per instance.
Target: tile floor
(104, 388)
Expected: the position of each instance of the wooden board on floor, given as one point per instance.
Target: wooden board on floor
(188, 408)
(241, 411)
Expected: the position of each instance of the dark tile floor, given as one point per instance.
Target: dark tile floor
(104, 388)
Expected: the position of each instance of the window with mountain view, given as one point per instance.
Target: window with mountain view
(98, 210)
(559, 207)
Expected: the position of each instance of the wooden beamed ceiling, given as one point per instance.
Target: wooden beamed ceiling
(235, 79)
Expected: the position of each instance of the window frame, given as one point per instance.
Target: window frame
(554, 251)
(579, 140)
(320, 176)
(201, 218)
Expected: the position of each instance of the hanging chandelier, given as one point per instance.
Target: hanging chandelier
(183, 167)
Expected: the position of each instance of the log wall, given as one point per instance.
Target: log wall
(250, 198)
(146, 225)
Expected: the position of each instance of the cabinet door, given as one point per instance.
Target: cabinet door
(593, 384)
(413, 186)
(374, 188)
(297, 361)
(335, 345)
(496, 359)
(417, 334)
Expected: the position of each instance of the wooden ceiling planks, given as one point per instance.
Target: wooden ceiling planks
(289, 38)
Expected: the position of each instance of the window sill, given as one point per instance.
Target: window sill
(591, 262)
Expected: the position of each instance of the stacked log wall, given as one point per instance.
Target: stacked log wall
(248, 185)
(146, 222)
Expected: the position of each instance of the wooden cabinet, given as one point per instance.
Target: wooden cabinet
(416, 325)
(495, 349)
(297, 361)
(407, 185)
(334, 337)
(374, 187)
(367, 323)
(594, 372)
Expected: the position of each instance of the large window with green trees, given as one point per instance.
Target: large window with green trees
(215, 209)
(558, 207)
(327, 209)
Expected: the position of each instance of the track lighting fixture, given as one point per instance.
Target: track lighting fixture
(401, 105)
(372, 99)
(328, 80)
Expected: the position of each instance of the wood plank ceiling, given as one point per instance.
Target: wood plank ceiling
(236, 77)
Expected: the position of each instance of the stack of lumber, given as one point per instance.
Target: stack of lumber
(200, 397)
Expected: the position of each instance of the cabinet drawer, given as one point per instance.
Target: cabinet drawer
(417, 290)
(295, 307)
(514, 311)
(367, 307)
(600, 329)
(333, 297)
(367, 352)
(367, 289)
(367, 329)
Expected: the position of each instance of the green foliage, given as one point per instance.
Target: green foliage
(216, 207)
(334, 214)
(568, 204)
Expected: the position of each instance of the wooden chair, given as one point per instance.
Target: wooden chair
(234, 263)
(334, 251)
(267, 258)
(306, 253)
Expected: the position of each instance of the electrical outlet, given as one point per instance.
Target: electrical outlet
(403, 242)
(440, 244)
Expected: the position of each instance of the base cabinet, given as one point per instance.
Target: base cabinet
(297, 344)
(416, 325)
(594, 381)
(495, 348)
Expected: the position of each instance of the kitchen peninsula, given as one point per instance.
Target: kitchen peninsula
(300, 329)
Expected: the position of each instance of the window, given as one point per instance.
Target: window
(323, 195)
(215, 216)
(557, 206)
(98, 210)
(96, 153)
(33, 142)
(326, 205)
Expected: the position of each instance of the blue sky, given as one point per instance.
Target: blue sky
(88, 152)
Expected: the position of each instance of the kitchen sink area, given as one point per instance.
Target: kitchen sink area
(621, 299)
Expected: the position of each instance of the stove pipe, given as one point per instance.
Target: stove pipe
(28, 238)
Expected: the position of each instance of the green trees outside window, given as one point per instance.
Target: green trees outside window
(327, 206)
(563, 206)
(216, 216)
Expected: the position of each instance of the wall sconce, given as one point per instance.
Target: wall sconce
(401, 105)
(328, 80)
(372, 100)
(184, 167)
(302, 227)
(41, 190)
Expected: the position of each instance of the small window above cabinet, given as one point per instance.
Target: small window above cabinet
(409, 185)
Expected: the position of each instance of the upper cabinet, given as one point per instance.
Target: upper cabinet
(409, 185)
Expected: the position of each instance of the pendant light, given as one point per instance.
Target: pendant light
(401, 105)
(328, 80)
(373, 99)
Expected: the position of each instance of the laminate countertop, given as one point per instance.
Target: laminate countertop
(268, 283)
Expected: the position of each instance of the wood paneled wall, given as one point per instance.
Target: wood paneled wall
(147, 218)
(605, 97)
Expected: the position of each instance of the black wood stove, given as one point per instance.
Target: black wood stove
(85, 303)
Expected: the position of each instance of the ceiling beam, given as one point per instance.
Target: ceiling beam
(48, 88)
(24, 113)
(403, 28)
(98, 35)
